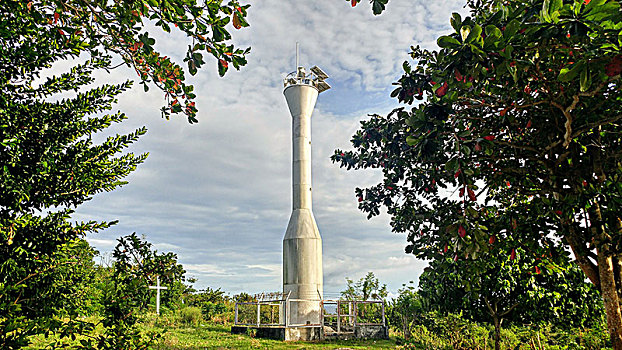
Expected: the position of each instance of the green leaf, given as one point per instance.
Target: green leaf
(456, 21)
(447, 42)
(511, 29)
(585, 79)
(452, 165)
(493, 32)
(568, 73)
(378, 6)
(464, 32)
(475, 34)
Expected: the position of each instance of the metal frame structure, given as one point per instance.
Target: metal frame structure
(314, 78)
(262, 299)
(284, 307)
(352, 314)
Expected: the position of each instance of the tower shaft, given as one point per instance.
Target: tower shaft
(302, 245)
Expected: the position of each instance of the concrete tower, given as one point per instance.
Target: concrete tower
(302, 244)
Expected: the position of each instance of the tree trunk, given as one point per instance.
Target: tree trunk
(610, 300)
(607, 278)
(497, 332)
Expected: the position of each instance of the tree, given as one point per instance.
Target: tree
(48, 161)
(136, 265)
(35, 33)
(50, 165)
(365, 288)
(404, 310)
(519, 288)
(520, 120)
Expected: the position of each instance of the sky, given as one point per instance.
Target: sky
(218, 193)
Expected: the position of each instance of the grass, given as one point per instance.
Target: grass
(213, 336)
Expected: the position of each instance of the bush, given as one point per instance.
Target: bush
(190, 315)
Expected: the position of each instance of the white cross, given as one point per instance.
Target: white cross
(157, 288)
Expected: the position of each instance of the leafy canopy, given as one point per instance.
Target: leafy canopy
(36, 33)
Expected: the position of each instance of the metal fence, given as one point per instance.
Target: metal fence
(266, 311)
(343, 316)
(336, 316)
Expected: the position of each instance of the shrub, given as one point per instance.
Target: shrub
(190, 315)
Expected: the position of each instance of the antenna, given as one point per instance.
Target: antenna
(297, 56)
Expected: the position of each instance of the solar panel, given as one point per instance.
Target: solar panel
(322, 86)
(319, 73)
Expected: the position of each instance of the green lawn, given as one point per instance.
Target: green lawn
(212, 336)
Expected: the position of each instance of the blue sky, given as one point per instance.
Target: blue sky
(218, 193)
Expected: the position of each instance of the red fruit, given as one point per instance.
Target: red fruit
(461, 231)
(360, 199)
(433, 182)
(353, 3)
(558, 212)
(56, 16)
(389, 187)
(529, 124)
(586, 1)
(455, 257)
(537, 271)
(440, 92)
(507, 183)
(471, 195)
(492, 239)
(568, 35)
(584, 183)
(513, 254)
(489, 137)
(445, 249)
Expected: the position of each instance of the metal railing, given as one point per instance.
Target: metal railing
(349, 314)
(336, 316)
(261, 312)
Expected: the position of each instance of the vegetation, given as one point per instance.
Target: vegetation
(515, 148)
(50, 164)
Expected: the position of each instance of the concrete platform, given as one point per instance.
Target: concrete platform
(312, 333)
(282, 333)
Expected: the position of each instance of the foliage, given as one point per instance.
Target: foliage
(497, 288)
(191, 315)
(378, 6)
(516, 140)
(36, 33)
(365, 288)
(403, 312)
(211, 302)
(557, 294)
(49, 165)
(136, 266)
